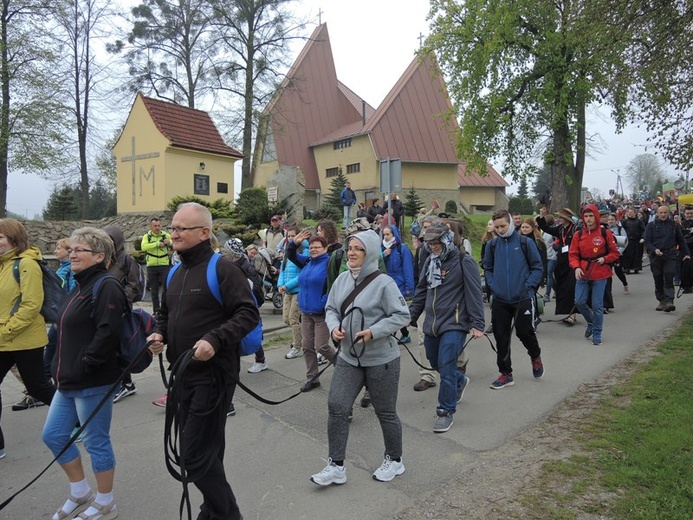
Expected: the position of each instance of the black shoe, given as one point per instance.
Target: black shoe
(231, 411)
(310, 385)
(669, 307)
(366, 400)
(26, 403)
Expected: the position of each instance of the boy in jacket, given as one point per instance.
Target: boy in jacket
(591, 254)
(513, 271)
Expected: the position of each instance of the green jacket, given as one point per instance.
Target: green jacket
(157, 253)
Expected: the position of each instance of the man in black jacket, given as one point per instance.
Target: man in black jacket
(211, 330)
(661, 238)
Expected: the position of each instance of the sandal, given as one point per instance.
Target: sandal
(82, 505)
(570, 320)
(107, 512)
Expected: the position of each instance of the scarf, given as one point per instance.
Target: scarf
(387, 244)
(434, 276)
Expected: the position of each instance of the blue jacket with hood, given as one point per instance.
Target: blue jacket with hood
(511, 275)
(312, 280)
(400, 265)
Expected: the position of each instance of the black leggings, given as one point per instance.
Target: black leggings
(30, 366)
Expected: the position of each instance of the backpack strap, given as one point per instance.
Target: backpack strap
(357, 290)
(15, 273)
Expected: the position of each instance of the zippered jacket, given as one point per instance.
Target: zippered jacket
(152, 248)
(512, 275)
(457, 303)
(588, 245)
(312, 280)
(89, 332)
(400, 265)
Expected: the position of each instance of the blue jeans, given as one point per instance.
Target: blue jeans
(550, 267)
(70, 406)
(347, 216)
(595, 315)
(442, 353)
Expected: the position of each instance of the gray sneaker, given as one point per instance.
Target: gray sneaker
(443, 421)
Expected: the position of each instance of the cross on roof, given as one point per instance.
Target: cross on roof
(421, 38)
(320, 11)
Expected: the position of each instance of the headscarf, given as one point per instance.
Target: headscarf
(433, 274)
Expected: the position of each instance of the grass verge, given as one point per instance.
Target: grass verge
(635, 457)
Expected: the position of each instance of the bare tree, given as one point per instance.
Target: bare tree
(645, 170)
(255, 36)
(80, 23)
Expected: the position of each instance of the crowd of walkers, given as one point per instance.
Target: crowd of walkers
(349, 300)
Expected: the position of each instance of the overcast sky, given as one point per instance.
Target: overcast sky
(373, 42)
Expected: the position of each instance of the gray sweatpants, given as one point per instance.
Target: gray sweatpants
(383, 384)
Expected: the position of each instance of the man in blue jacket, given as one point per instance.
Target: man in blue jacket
(513, 271)
(348, 198)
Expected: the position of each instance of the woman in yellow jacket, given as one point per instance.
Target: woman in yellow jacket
(22, 328)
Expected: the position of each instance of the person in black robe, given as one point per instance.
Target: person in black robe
(631, 260)
(563, 230)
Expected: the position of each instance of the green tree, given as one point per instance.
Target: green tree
(523, 189)
(333, 198)
(542, 185)
(252, 207)
(522, 71)
(63, 204)
(656, 75)
(412, 203)
(102, 201)
(32, 116)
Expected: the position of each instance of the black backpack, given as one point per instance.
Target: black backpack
(54, 291)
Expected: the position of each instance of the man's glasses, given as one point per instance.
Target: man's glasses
(180, 229)
(80, 250)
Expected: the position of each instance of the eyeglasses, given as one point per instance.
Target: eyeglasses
(79, 250)
(180, 229)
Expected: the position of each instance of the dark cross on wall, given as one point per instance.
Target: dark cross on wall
(133, 158)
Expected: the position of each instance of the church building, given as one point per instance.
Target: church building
(316, 127)
(167, 150)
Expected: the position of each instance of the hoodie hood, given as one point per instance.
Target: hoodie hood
(593, 209)
(32, 252)
(371, 243)
(118, 239)
(396, 234)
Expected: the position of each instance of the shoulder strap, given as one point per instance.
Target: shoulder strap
(357, 290)
(15, 270)
(171, 272)
(213, 279)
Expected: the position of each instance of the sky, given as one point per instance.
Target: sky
(373, 42)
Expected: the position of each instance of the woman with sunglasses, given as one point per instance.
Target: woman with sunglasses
(369, 356)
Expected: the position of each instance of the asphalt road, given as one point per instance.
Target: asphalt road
(272, 450)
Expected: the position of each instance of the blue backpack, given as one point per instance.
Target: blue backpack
(252, 342)
(136, 327)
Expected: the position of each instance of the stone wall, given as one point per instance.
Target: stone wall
(45, 234)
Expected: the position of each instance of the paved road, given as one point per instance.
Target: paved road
(272, 451)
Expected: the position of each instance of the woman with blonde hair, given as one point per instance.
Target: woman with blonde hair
(84, 368)
(22, 328)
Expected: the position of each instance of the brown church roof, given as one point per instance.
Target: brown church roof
(187, 127)
(493, 179)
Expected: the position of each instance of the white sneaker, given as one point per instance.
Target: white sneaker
(258, 367)
(331, 474)
(293, 353)
(321, 359)
(388, 470)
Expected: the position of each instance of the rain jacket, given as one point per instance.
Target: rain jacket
(26, 328)
(588, 245)
(400, 265)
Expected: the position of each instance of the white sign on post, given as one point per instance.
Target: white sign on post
(272, 194)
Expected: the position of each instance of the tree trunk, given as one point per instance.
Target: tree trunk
(4, 110)
(246, 172)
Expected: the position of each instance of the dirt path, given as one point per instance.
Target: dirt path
(494, 487)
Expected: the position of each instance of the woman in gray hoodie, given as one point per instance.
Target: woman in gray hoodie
(369, 356)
